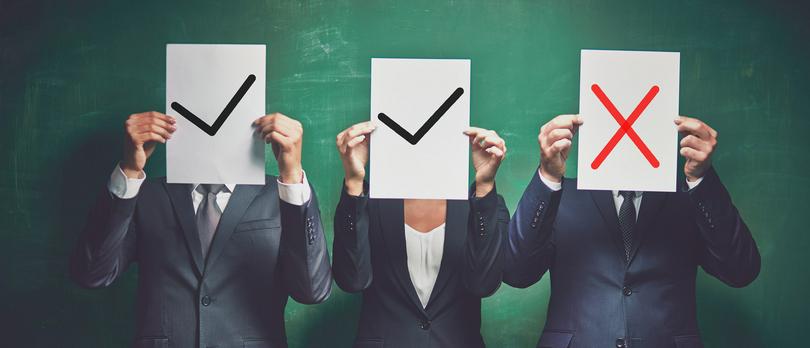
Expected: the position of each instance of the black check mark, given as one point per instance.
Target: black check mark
(414, 138)
(212, 129)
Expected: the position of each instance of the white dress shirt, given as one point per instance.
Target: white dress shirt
(617, 198)
(125, 188)
(424, 251)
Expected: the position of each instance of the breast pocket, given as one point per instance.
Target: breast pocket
(257, 225)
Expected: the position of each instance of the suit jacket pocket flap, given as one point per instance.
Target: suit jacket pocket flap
(555, 339)
(688, 341)
(257, 225)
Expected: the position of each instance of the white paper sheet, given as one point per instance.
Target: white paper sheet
(409, 92)
(203, 79)
(625, 78)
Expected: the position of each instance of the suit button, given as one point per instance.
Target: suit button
(620, 343)
(627, 291)
(424, 325)
(534, 225)
(205, 301)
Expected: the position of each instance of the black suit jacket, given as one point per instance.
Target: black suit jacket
(264, 250)
(600, 300)
(370, 256)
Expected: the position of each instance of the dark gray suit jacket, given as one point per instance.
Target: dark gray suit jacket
(264, 250)
(370, 256)
(600, 300)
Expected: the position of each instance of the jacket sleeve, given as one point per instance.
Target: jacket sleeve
(530, 248)
(106, 247)
(729, 252)
(487, 226)
(352, 259)
(304, 259)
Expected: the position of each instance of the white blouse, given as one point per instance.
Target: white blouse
(424, 252)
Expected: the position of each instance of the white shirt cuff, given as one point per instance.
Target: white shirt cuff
(693, 184)
(122, 186)
(295, 194)
(554, 186)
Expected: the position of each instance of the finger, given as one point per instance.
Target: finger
(560, 146)
(267, 118)
(161, 116)
(696, 143)
(355, 141)
(496, 152)
(492, 141)
(286, 128)
(571, 122)
(693, 154)
(364, 125)
(566, 121)
(277, 138)
(472, 131)
(150, 136)
(480, 136)
(160, 122)
(356, 131)
(693, 126)
(559, 133)
(153, 128)
(290, 123)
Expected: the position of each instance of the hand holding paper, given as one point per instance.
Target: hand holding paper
(697, 146)
(285, 135)
(352, 144)
(555, 143)
(143, 132)
(488, 150)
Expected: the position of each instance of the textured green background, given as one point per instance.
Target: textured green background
(71, 71)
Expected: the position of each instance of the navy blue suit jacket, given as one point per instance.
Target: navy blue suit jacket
(598, 299)
(370, 257)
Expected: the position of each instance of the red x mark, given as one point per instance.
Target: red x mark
(626, 126)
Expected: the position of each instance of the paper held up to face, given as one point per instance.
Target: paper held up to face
(420, 108)
(215, 92)
(628, 102)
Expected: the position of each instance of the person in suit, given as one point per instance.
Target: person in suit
(422, 265)
(623, 264)
(216, 263)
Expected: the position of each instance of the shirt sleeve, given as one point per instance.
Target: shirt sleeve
(555, 186)
(295, 194)
(123, 187)
(693, 184)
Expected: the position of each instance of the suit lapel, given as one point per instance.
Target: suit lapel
(455, 233)
(607, 208)
(651, 204)
(240, 200)
(180, 196)
(393, 226)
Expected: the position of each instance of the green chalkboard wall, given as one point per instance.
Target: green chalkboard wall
(71, 71)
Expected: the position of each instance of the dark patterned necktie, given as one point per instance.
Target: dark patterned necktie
(627, 221)
(208, 214)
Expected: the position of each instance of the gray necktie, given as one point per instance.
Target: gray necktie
(627, 221)
(208, 214)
